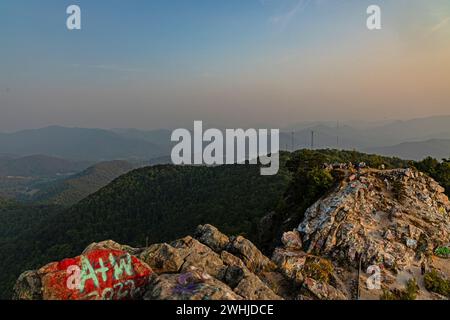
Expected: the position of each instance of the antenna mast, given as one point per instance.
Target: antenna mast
(292, 140)
(337, 135)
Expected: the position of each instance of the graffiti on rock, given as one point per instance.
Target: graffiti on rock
(96, 275)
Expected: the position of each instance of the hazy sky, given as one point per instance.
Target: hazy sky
(164, 63)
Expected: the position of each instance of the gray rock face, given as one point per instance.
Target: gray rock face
(191, 285)
(292, 240)
(394, 217)
(200, 256)
(163, 258)
(252, 288)
(323, 291)
(206, 270)
(291, 264)
(252, 257)
(111, 245)
(212, 237)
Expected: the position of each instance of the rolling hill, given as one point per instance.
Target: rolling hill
(412, 130)
(418, 150)
(40, 166)
(77, 187)
(77, 144)
(161, 138)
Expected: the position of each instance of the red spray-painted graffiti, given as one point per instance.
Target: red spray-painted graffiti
(96, 275)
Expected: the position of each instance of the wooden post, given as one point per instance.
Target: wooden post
(359, 277)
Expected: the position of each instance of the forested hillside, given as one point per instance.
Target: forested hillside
(438, 170)
(77, 187)
(17, 221)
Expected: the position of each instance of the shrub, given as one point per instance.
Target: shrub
(318, 269)
(388, 295)
(409, 293)
(443, 252)
(435, 283)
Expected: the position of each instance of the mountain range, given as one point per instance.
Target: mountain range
(416, 150)
(39, 166)
(78, 144)
(431, 133)
(406, 139)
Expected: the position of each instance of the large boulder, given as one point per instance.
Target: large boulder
(193, 284)
(291, 240)
(393, 216)
(163, 258)
(323, 291)
(111, 245)
(252, 288)
(200, 256)
(291, 264)
(97, 274)
(212, 237)
(254, 260)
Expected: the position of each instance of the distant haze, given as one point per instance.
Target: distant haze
(163, 64)
(413, 139)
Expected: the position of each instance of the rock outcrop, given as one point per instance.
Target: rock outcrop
(184, 269)
(390, 221)
(100, 272)
(395, 217)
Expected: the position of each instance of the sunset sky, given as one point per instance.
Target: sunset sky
(164, 63)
